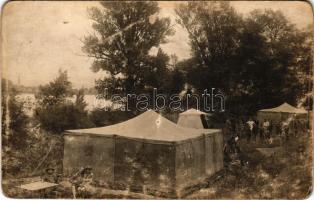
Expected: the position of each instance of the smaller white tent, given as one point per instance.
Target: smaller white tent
(193, 118)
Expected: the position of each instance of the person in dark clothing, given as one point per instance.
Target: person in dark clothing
(233, 144)
(228, 127)
(227, 157)
(255, 130)
(228, 151)
(266, 126)
(271, 127)
(285, 130)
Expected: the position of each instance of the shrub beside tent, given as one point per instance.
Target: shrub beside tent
(149, 151)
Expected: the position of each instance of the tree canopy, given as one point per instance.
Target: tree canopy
(55, 111)
(258, 61)
(125, 33)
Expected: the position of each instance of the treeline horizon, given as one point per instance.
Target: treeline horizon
(20, 88)
(257, 61)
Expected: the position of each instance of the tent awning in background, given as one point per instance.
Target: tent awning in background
(285, 108)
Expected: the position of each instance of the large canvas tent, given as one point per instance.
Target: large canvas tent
(193, 118)
(148, 150)
(281, 113)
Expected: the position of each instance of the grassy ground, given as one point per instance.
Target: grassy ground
(284, 174)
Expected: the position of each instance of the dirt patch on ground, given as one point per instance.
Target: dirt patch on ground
(269, 151)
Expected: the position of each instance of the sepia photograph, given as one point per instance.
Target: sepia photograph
(157, 99)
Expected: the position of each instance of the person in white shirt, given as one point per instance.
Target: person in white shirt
(251, 125)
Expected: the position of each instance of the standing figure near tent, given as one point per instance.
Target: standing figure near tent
(261, 132)
(233, 144)
(231, 149)
(294, 128)
(255, 129)
(284, 130)
(278, 129)
(271, 128)
(228, 129)
(297, 127)
(291, 128)
(250, 124)
(265, 126)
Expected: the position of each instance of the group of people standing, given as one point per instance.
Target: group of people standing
(265, 130)
(254, 129)
(262, 131)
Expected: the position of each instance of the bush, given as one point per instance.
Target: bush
(54, 112)
(60, 117)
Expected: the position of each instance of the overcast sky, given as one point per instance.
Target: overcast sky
(40, 37)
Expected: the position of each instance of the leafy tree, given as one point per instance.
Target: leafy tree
(14, 120)
(55, 111)
(81, 117)
(79, 101)
(258, 61)
(56, 92)
(176, 82)
(14, 124)
(214, 31)
(159, 66)
(274, 56)
(125, 32)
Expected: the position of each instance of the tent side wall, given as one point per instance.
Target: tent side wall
(143, 162)
(198, 158)
(86, 150)
(190, 162)
(218, 151)
(209, 155)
